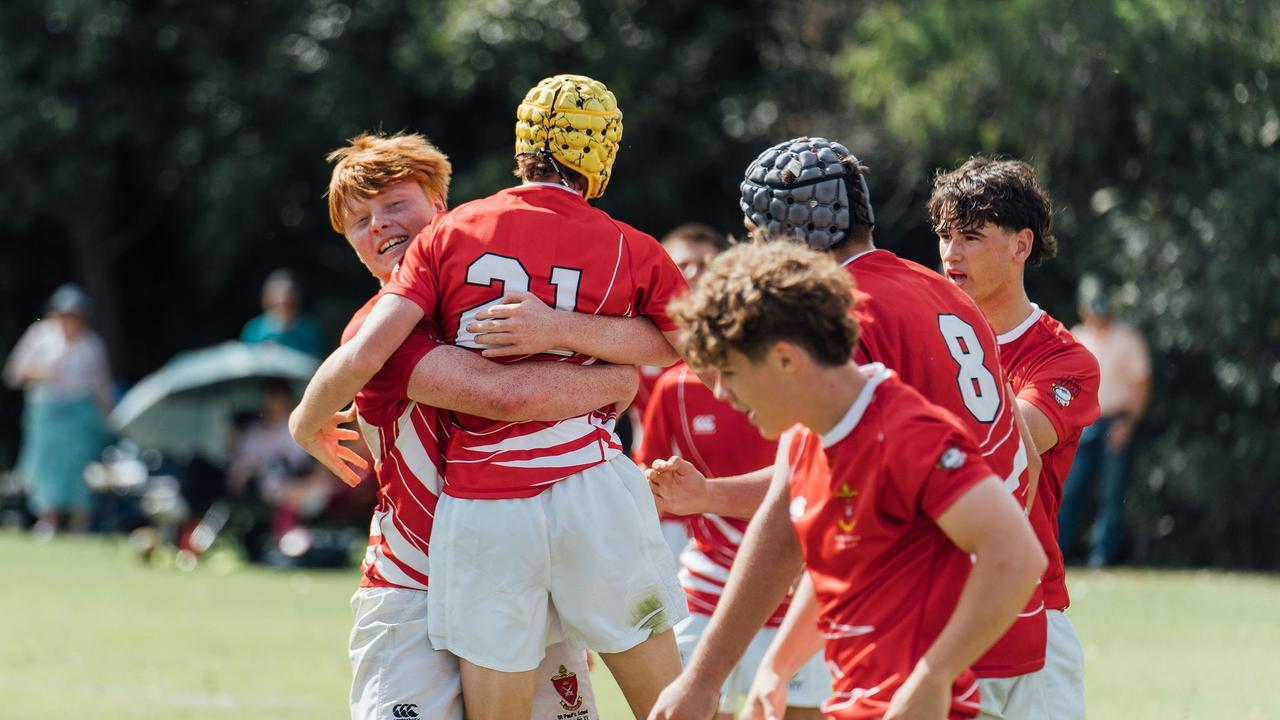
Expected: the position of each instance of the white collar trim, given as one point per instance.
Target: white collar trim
(557, 186)
(875, 373)
(850, 260)
(1022, 327)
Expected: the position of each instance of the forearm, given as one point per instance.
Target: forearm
(798, 637)
(1007, 562)
(622, 341)
(462, 381)
(738, 496)
(331, 389)
(763, 571)
(997, 589)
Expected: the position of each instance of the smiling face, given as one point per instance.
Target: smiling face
(984, 261)
(380, 228)
(759, 388)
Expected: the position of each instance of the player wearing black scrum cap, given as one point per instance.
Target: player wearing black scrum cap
(915, 322)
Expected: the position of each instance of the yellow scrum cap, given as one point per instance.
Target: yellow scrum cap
(577, 120)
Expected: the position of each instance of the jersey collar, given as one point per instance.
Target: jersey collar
(849, 261)
(1022, 327)
(875, 373)
(557, 186)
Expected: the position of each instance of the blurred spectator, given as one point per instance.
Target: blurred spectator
(278, 485)
(281, 320)
(61, 365)
(1103, 455)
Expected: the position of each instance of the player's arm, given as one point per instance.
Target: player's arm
(796, 641)
(1034, 463)
(521, 324)
(456, 379)
(680, 489)
(1043, 434)
(313, 423)
(767, 563)
(987, 523)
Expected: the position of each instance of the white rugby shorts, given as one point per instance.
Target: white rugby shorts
(1062, 678)
(588, 547)
(676, 533)
(396, 675)
(810, 686)
(1012, 698)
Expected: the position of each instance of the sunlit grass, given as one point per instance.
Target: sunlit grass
(88, 630)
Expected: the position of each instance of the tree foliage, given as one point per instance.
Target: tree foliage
(169, 154)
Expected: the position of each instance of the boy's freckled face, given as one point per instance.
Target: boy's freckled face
(380, 228)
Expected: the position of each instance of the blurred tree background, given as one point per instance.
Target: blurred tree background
(168, 154)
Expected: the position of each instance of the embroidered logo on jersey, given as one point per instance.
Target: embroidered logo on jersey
(797, 507)
(1065, 390)
(404, 710)
(566, 685)
(845, 538)
(952, 459)
(704, 424)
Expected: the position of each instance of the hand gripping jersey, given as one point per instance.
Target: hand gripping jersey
(547, 240)
(865, 498)
(935, 338)
(684, 418)
(1054, 372)
(406, 439)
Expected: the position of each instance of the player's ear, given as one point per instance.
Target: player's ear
(783, 355)
(1023, 240)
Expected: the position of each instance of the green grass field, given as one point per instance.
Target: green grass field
(86, 630)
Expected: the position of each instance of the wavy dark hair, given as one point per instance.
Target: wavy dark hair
(1000, 192)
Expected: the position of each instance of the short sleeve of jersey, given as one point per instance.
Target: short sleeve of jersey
(936, 465)
(1065, 389)
(656, 443)
(391, 383)
(658, 281)
(416, 277)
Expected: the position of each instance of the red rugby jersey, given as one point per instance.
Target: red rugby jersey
(406, 439)
(547, 240)
(1051, 370)
(933, 335)
(684, 418)
(649, 375)
(865, 498)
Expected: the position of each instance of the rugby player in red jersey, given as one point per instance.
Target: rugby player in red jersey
(685, 419)
(691, 246)
(534, 515)
(919, 557)
(384, 189)
(813, 191)
(993, 220)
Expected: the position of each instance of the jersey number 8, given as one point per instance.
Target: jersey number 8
(977, 384)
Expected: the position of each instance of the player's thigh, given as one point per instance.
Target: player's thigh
(395, 672)
(1062, 679)
(488, 597)
(562, 689)
(613, 580)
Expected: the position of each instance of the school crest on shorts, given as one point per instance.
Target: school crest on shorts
(566, 685)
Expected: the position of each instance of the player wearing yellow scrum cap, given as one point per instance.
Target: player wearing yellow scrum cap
(573, 122)
(544, 528)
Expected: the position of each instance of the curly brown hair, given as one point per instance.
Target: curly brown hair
(756, 294)
(1001, 192)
